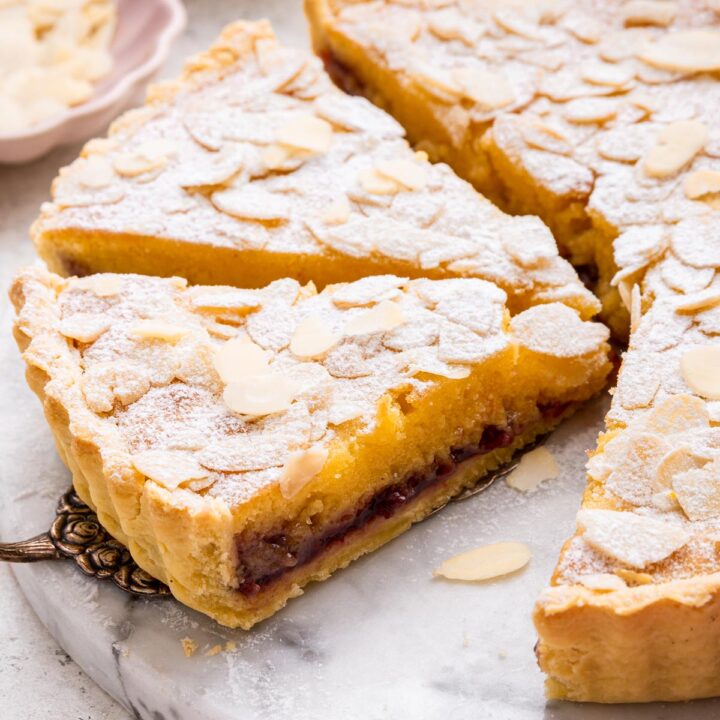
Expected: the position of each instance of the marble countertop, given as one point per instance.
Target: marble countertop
(381, 641)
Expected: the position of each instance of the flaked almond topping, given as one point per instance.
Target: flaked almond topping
(281, 157)
(676, 145)
(485, 563)
(602, 582)
(312, 338)
(534, 468)
(606, 74)
(260, 394)
(301, 467)
(167, 468)
(490, 90)
(381, 318)
(101, 285)
(148, 156)
(685, 51)
(677, 414)
(700, 368)
(635, 308)
(590, 110)
(649, 12)
(306, 132)
(94, 172)
(337, 212)
(677, 461)
(240, 357)
(376, 184)
(410, 175)
(84, 327)
(632, 539)
(159, 330)
(441, 83)
(700, 183)
(699, 301)
(250, 203)
(698, 491)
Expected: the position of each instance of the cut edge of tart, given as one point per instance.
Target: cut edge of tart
(244, 443)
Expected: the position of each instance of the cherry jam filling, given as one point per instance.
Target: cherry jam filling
(342, 75)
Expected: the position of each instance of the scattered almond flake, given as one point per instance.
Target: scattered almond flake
(280, 158)
(437, 81)
(698, 491)
(528, 241)
(368, 291)
(159, 330)
(214, 650)
(677, 414)
(171, 469)
(84, 327)
(633, 478)
(425, 360)
(664, 501)
(220, 298)
(700, 368)
(676, 145)
(146, 157)
(534, 468)
(189, 646)
(300, 468)
(649, 12)
(697, 302)
(459, 344)
(103, 382)
(590, 110)
(245, 452)
(377, 184)
(685, 51)
(260, 394)
(95, 172)
(700, 183)
(632, 539)
(409, 174)
(602, 582)
(385, 316)
(306, 132)
(615, 76)
(239, 358)
(557, 330)
(101, 285)
(676, 461)
(486, 563)
(251, 203)
(313, 338)
(338, 212)
(490, 90)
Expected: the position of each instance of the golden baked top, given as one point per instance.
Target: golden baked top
(224, 390)
(255, 148)
(615, 104)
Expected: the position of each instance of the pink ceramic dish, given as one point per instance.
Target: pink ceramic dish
(145, 31)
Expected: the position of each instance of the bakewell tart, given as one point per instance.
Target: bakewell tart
(254, 167)
(243, 443)
(598, 116)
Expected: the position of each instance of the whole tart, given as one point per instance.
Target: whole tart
(603, 119)
(243, 443)
(253, 166)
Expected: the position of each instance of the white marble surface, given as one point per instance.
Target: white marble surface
(382, 639)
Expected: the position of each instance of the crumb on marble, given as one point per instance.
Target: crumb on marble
(189, 646)
(214, 650)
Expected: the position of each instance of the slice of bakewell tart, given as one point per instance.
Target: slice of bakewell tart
(253, 167)
(599, 117)
(243, 443)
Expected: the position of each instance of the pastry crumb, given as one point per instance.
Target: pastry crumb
(189, 646)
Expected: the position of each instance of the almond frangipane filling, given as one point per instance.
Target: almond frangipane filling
(266, 170)
(309, 427)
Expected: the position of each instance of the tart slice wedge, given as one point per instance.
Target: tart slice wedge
(253, 167)
(243, 443)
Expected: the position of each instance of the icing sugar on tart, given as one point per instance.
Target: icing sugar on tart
(239, 465)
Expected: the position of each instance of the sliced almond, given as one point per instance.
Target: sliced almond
(590, 110)
(649, 12)
(101, 285)
(485, 563)
(632, 539)
(602, 582)
(677, 414)
(677, 144)
(697, 302)
(312, 338)
(677, 461)
(410, 175)
(698, 491)
(306, 132)
(377, 184)
(685, 51)
(301, 467)
(607, 74)
(490, 90)
(148, 156)
(94, 172)
(239, 358)
(84, 327)
(338, 212)
(381, 318)
(252, 204)
(534, 468)
(260, 395)
(167, 468)
(159, 330)
(700, 183)
(700, 368)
